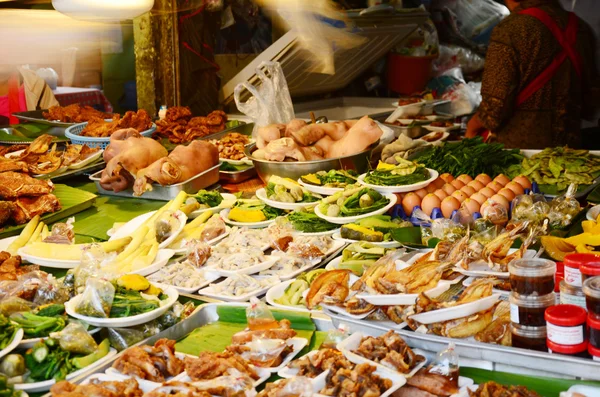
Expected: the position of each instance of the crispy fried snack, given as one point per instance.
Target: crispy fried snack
(11, 267)
(15, 184)
(360, 381)
(180, 127)
(329, 287)
(231, 146)
(211, 365)
(154, 363)
(99, 128)
(177, 389)
(74, 114)
(97, 388)
(323, 360)
(493, 389)
(389, 350)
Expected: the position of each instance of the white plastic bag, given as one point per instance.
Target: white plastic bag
(270, 102)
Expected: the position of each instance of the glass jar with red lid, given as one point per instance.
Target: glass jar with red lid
(532, 276)
(573, 264)
(593, 324)
(580, 350)
(590, 269)
(559, 276)
(566, 325)
(591, 289)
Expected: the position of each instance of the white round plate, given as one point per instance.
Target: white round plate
(325, 191)
(89, 160)
(318, 234)
(592, 213)
(125, 321)
(443, 129)
(262, 196)
(277, 291)
(162, 257)
(334, 264)
(438, 141)
(251, 225)
(28, 343)
(130, 227)
(384, 244)
(400, 189)
(342, 220)
(13, 344)
(47, 262)
(227, 198)
(46, 385)
(452, 313)
(215, 240)
(5, 242)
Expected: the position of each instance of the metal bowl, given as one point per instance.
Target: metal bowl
(295, 169)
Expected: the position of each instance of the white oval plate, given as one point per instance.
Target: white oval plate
(438, 141)
(250, 225)
(208, 278)
(47, 262)
(482, 269)
(409, 110)
(28, 343)
(126, 321)
(396, 378)
(318, 234)
(441, 129)
(384, 244)
(5, 242)
(228, 202)
(259, 267)
(452, 313)
(146, 386)
(262, 196)
(18, 337)
(593, 213)
(89, 160)
(277, 291)
(469, 280)
(208, 291)
(162, 257)
(334, 264)
(406, 299)
(46, 385)
(342, 220)
(325, 191)
(400, 189)
(130, 227)
(288, 372)
(215, 240)
(353, 342)
(297, 345)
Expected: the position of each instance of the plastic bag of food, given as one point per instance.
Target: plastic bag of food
(529, 208)
(298, 386)
(270, 102)
(235, 382)
(259, 316)
(13, 304)
(564, 209)
(264, 352)
(96, 299)
(484, 231)
(165, 225)
(280, 234)
(213, 228)
(93, 261)
(198, 253)
(447, 229)
(495, 212)
(122, 338)
(446, 364)
(62, 233)
(335, 336)
(75, 339)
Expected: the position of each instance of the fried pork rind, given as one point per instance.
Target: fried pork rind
(325, 359)
(100, 128)
(360, 381)
(154, 363)
(211, 365)
(293, 387)
(284, 332)
(180, 127)
(97, 388)
(493, 389)
(389, 350)
(177, 389)
(74, 114)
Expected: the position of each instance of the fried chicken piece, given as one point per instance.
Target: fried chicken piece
(210, 365)
(436, 384)
(28, 207)
(177, 113)
(13, 165)
(154, 363)
(389, 350)
(177, 389)
(7, 208)
(323, 360)
(360, 381)
(11, 267)
(74, 114)
(97, 388)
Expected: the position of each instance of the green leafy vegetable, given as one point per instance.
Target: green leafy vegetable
(209, 198)
(129, 303)
(35, 326)
(7, 332)
(371, 201)
(332, 178)
(257, 205)
(308, 222)
(398, 175)
(469, 156)
(46, 360)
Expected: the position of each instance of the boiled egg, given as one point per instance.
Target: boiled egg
(449, 189)
(506, 192)
(464, 178)
(475, 184)
(480, 198)
(449, 205)
(431, 188)
(457, 184)
(500, 199)
(430, 202)
(421, 193)
(438, 183)
(495, 186)
(523, 181)
(447, 177)
(502, 179)
(460, 196)
(487, 192)
(483, 178)
(468, 190)
(441, 194)
(409, 202)
(471, 205)
(516, 188)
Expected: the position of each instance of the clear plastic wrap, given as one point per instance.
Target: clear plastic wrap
(298, 386)
(495, 212)
(264, 352)
(234, 382)
(122, 338)
(75, 339)
(62, 233)
(447, 230)
(259, 316)
(96, 299)
(198, 253)
(452, 56)
(564, 209)
(270, 102)
(93, 261)
(165, 225)
(446, 364)
(214, 228)
(37, 287)
(335, 336)
(280, 234)
(484, 231)
(13, 304)
(475, 17)
(531, 208)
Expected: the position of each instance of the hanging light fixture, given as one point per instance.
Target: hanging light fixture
(103, 10)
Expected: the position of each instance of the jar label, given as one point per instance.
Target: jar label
(568, 299)
(514, 313)
(595, 358)
(565, 335)
(573, 276)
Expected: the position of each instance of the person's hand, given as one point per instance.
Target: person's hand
(474, 127)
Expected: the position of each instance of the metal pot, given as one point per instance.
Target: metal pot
(295, 169)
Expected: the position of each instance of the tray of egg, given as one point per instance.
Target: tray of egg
(479, 196)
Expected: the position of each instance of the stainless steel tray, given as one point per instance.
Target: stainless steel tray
(237, 176)
(88, 169)
(166, 193)
(36, 116)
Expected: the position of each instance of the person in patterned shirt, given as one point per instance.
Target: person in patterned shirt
(540, 78)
